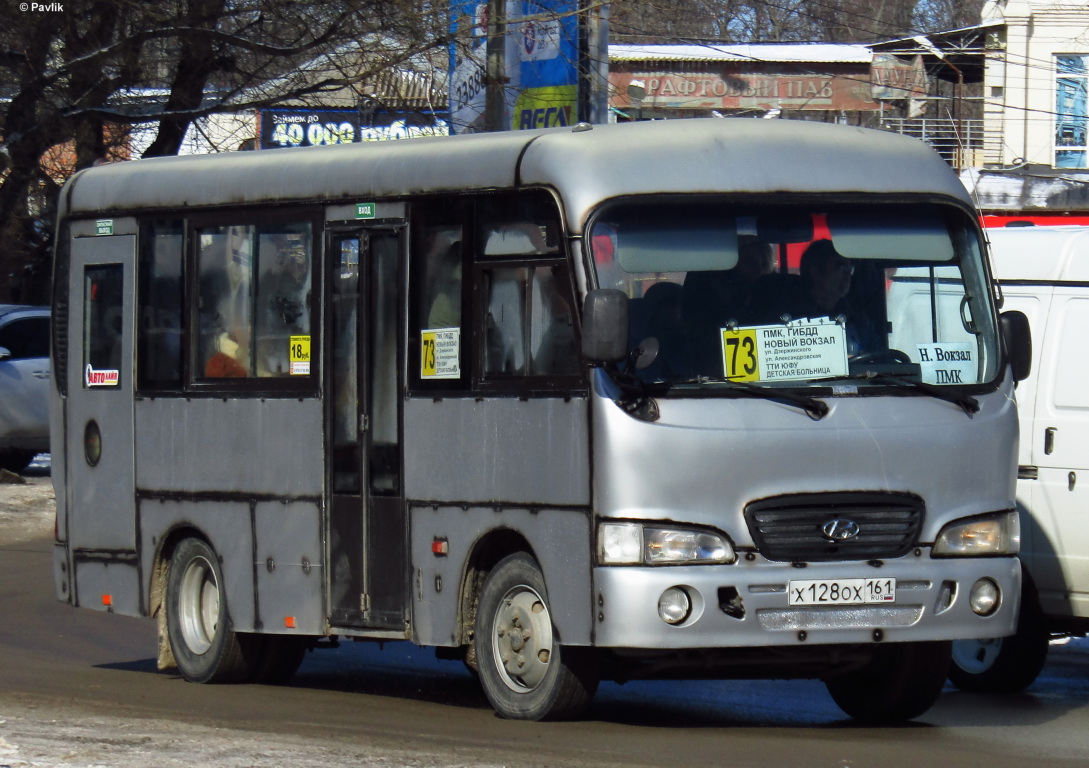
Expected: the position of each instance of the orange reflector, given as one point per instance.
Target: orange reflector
(107, 600)
(289, 622)
(440, 547)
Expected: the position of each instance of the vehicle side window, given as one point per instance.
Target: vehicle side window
(438, 339)
(527, 313)
(103, 321)
(161, 312)
(255, 301)
(529, 322)
(26, 338)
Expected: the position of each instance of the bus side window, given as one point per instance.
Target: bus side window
(528, 317)
(103, 317)
(528, 322)
(225, 270)
(255, 301)
(160, 312)
(438, 345)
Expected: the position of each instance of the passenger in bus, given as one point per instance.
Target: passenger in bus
(826, 278)
(446, 302)
(658, 315)
(714, 299)
(284, 293)
(223, 364)
(557, 354)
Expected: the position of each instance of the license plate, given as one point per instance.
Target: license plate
(841, 591)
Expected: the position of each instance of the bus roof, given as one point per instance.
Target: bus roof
(586, 165)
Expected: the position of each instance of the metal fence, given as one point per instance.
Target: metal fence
(960, 142)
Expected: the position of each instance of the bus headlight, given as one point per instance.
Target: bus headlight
(997, 534)
(637, 544)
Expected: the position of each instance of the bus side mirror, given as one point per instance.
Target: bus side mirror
(605, 325)
(1015, 330)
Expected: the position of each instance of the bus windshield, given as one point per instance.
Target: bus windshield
(798, 296)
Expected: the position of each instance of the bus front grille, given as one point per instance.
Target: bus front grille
(835, 526)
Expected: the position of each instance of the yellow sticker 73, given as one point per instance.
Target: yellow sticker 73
(739, 356)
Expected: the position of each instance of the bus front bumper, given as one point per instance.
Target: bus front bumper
(746, 604)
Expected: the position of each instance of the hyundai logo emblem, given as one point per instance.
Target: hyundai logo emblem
(840, 529)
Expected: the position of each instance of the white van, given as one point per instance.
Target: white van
(1044, 273)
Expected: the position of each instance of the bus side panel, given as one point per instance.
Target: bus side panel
(241, 445)
(559, 539)
(227, 527)
(533, 451)
(289, 568)
(473, 463)
(108, 586)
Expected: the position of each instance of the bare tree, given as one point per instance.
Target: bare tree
(77, 76)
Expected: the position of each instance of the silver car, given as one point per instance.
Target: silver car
(24, 384)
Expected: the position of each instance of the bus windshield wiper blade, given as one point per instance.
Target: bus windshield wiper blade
(969, 404)
(814, 408)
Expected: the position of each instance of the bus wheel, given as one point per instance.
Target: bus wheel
(1003, 664)
(525, 673)
(900, 682)
(198, 626)
(280, 659)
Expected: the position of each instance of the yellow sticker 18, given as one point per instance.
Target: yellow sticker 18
(300, 349)
(739, 357)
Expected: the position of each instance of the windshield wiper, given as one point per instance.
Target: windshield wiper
(969, 404)
(814, 408)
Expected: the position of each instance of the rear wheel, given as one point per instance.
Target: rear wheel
(205, 647)
(901, 682)
(526, 674)
(280, 659)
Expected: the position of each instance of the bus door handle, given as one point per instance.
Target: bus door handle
(1049, 440)
(1071, 480)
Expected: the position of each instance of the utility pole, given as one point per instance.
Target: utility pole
(495, 117)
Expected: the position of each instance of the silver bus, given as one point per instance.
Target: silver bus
(580, 404)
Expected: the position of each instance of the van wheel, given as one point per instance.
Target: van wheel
(1004, 664)
(526, 674)
(900, 682)
(197, 621)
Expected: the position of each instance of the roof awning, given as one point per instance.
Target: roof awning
(959, 50)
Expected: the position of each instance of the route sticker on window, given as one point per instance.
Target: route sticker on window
(951, 362)
(300, 356)
(101, 378)
(803, 349)
(440, 353)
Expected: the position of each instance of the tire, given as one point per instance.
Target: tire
(15, 460)
(901, 682)
(198, 625)
(525, 673)
(280, 659)
(1004, 664)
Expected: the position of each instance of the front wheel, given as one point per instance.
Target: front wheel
(526, 674)
(1003, 664)
(205, 647)
(900, 682)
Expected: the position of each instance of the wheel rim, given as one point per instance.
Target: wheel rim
(976, 656)
(198, 605)
(522, 639)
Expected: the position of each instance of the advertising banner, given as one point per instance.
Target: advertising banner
(540, 64)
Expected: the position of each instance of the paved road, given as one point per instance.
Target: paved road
(79, 688)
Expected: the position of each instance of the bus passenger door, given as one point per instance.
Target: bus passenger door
(99, 421)
(368, 576)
